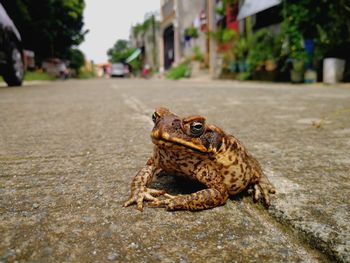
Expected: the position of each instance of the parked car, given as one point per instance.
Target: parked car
(12, 66)
(119, 70)
(56, 67)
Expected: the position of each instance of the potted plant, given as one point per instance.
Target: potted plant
(297, 71)
(241, 52)
(191, 32)
(273, 53)
(197, 59)
(224, 38)
(333, 64)
(297, 56)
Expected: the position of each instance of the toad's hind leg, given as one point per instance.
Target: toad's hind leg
(200, 200)
(262, 190)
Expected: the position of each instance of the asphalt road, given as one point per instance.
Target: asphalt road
(68, 152)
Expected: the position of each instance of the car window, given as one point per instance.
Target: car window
(118, 66)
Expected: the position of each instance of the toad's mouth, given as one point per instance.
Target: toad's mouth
(164, 138)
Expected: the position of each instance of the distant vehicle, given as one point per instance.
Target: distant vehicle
(11, 51)
(119, 70)
(29, 59)
(56, 67)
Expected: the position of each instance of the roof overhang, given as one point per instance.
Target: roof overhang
(252, 7)
(134, 55)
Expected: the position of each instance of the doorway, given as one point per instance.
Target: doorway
(168, 38)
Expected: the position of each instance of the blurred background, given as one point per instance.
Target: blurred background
(93, 71)
(274, 40)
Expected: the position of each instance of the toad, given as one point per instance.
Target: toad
(203, 152)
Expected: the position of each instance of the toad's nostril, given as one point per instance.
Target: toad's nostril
(176, 124)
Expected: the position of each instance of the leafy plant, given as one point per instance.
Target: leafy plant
(223, 35)
(331, 26)
(298, 65)
(141, 28)
(76, 59)
(85, 74)
(244, 75)
(191, 32)
(121, 51)
(327, 24)
(181, 71)
(138, 29)
(241, 48)
(197, 54)
(295, 16)
(264, 46)
(221, 8)
(228, 35)
(37, 75)
(255, 51)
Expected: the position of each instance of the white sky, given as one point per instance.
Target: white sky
(110, 20)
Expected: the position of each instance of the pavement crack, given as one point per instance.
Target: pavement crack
(142, 112)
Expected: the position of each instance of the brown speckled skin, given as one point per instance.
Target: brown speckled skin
(212, 157)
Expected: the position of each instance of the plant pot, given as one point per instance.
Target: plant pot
(333, 70)
(310, 76)
(234, 68)
(224, 47)
(298, 65)
(296, 76)
(242, 66)
(264, 75)
(195, 67)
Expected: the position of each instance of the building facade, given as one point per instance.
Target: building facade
(145, 36)
(178, 18)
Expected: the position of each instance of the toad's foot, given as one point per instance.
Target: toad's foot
(162, 203)
(200, 200)
(143, 194)
(262, 190)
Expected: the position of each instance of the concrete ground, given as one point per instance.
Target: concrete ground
(69, 150)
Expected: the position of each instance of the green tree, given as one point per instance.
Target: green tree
(120, 51)
(332, 27)
(119, 47)
(327, 22)
(48, 27)
(77, 59)
(296, 15)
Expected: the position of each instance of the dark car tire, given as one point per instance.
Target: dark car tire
(14, 70)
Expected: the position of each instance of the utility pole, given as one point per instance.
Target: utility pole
(176, 24)
(212, 43)
(154, 50)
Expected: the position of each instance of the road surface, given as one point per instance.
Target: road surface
(69, 150)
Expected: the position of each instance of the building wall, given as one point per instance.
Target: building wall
(188, 14)
(167, 20)
(183, 14)
(151, 47)
(149, 42)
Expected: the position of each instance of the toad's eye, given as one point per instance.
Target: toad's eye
(155, 116)
(197, 128)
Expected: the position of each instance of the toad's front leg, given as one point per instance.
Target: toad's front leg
(139, 190)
